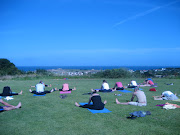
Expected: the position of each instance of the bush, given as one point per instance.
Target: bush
(8, 68)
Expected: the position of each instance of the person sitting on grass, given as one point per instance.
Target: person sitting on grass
(104, 87)
(132, 84)
(44, 84)
(141, 98)
(65, 87)
(40, 89)
(97, 102)
(166, 95)
(8, 92)
(118, 86)
(7, 106)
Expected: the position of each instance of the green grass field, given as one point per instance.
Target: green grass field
(51, 115)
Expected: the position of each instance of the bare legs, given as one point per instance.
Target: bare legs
(117, 102)
(10, 107)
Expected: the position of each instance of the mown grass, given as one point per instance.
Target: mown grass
(53, 115)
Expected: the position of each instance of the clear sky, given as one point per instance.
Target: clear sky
(90, 32)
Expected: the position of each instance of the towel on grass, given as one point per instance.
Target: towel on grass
(96, 111)
(8, 98)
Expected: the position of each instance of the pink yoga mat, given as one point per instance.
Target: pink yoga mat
(65, 92)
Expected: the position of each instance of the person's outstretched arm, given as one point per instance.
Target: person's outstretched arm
(90, 100)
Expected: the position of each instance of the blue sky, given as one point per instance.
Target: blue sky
(90, 32)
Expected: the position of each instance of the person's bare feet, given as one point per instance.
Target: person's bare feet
(74, 88)
(50, 85)
(18, 106)
(30, 90)
(20, 93)
(76, 104)
(117, 102)
(105, 101)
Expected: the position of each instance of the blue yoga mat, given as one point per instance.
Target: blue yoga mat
(139, 88)
(39, 95)
(125, 91)
(97, 111)
(1, 109)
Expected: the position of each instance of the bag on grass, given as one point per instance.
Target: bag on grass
(152, 89)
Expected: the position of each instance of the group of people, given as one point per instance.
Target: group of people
(40, 90)
(95, 98)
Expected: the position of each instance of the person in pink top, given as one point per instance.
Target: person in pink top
(65, 87)
(118, 86)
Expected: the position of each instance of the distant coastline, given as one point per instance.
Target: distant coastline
(33, 68)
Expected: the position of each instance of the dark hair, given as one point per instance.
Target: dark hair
(40, 81)
(104, 81)
(136, 88)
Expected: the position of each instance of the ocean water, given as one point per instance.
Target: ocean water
(33, 68)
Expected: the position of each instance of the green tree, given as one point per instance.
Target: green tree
(8, 68)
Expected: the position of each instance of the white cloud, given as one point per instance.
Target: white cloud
(145, 13)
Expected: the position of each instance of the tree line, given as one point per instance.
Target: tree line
(8, 68)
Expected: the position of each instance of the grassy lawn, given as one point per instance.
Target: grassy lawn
(51, 115)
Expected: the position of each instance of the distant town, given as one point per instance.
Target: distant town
(158, 73)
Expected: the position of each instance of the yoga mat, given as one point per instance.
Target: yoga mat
(96, 111)
(39, 95)
(139, 88)
(125, 91)
(65, 92)
(103, 92)
(1, 109)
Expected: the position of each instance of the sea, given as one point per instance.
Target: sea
(33, 68)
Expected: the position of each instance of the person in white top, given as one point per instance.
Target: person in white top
(166, 95)
(40, 89)
(132, 84)
(104, 87)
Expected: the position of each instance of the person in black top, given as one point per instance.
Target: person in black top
(8, 92)
(97, 103)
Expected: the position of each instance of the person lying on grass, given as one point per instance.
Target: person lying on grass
(166, 95)
(97, 102)
(8, 92)
(141, 98)
(65, 87)
(44, 84)
(7, 106)
(104, 87)
(118, 86)
(40, 89)
(147, 83)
